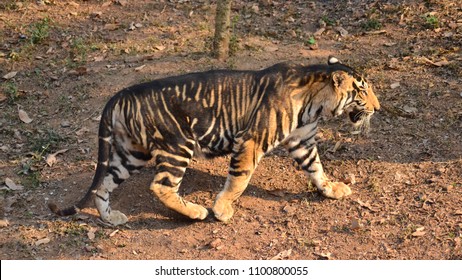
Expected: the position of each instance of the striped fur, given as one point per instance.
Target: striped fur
(242, 113)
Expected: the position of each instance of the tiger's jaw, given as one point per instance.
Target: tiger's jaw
(360, 119)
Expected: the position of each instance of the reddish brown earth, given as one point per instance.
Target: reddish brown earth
(406, 201)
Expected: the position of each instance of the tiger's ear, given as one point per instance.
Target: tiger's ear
(338, 78)
(332, 60)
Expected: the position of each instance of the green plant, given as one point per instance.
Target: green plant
(11, 90)
(39, 31)
(79, 49)
(328, 21)
(371, 24)
(311, 41)
(431, 21)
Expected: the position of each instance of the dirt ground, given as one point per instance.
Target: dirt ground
(60, 61)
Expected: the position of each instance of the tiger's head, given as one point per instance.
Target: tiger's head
(354, 95)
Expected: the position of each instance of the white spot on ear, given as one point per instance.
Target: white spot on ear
(332, 60)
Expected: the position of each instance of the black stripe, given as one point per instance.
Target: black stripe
(310, 162)
(239, 173)
(170, 169)
(165, 182)
(160, 159)
(140, 155)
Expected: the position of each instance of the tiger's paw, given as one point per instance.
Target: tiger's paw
(223, 210)
(195, 211)
(116, 218)
(335, 190)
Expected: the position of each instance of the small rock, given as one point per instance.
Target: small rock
(288, 209)
(319, 31)
(216, 244)
(42, 241)
(65, 124)
(395, 85)
(89, 248)
(342, 31)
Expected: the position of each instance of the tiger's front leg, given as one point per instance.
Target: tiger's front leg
(170, 169)
(306, 155)
(243, 163)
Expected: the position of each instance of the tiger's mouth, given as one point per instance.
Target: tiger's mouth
(356, 116)
(360, 119)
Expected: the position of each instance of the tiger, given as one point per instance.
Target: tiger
(241, 113)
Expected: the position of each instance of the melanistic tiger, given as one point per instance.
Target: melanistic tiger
(242, 113)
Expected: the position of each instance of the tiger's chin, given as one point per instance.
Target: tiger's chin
(360, 120)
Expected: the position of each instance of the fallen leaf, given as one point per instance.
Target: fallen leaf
(91, 233)
(111, 26)
(282, 255)
(440, 63)
(82, 131)
(366, 205)
(51, 158)
(10, 75)
(42, 241)
(106, 4)
(113, 233)
(9, 202)
(418, 233)
(4, 223)
(12, 185)
(342, 31)
(326, 256)
(395, 85)
(23, 116)
(3, 97)
(139, 68)
(319, 32)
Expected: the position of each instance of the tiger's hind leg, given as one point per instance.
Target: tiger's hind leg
(246, 156)
(170, 169)
(126, 158)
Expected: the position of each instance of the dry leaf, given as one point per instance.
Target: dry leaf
(111, 26)
(419, 232)
(282, 255)
(366, 205)
(4, 223)
(82, 131)
(91, 233)
(51, 158)
(139, 68)
(12, 185)
(10, 75)
(394, 85)
(3, 97)
(355, 224)
(440, 63)
(42, 241)
(326, 256)
(23, 116)
(106, 4)
(113, 233)
(160, 47)
(341, 30)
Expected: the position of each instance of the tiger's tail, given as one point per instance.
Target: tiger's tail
(104, 143)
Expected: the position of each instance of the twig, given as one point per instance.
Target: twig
(398, 112)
